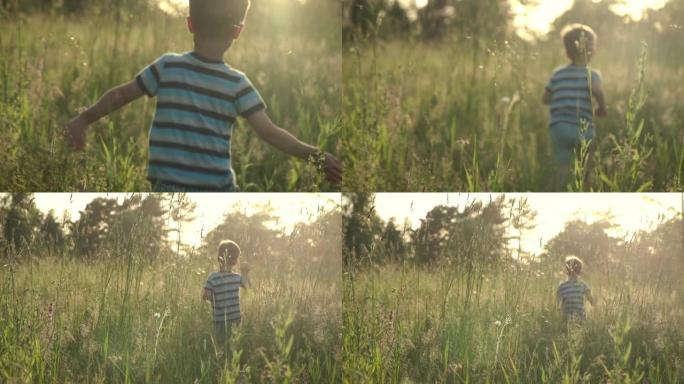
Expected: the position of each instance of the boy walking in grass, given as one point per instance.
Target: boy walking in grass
(575, 96)
(199, 97)
(572, 292)
(222, 289)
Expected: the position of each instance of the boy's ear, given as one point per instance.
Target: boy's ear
(190, 27)
(237, 29)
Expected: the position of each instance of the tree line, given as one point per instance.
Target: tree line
(489, 234)
(147, 228)
(487, 21)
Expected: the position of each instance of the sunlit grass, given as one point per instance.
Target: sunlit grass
(409, 324)
(443, 117)
(52, 66)
(67, 321)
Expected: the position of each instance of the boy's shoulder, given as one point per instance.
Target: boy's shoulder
(191, 61)
(216, 274)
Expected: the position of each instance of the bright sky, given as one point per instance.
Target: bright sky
(632, 212)
(533, 19)
(289, 208)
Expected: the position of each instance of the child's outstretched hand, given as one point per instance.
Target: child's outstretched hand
(332, 168)
(75, 133)
(601, 112)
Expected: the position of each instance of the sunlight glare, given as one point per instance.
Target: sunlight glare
(534, 20)
(173, 7)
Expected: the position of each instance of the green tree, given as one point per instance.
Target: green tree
(21, 221)
(252, 232)
(52, 233)
(94, 223)
(463, 236)
(589, 242)
(360, 227)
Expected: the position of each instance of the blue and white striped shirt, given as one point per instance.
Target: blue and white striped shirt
(198, 101)
(571, 96)
(225, 289)
(571, 294)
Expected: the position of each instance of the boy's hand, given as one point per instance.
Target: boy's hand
(244, 268)
(75, 133)
(331, 166)
(601, 112)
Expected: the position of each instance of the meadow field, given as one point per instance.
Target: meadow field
(463, 112)
(406, 324)
(53, 64)
(72, 322)
(132, 312)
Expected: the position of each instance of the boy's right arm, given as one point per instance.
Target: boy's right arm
(547, 97)
(114, 99)
(207, 294)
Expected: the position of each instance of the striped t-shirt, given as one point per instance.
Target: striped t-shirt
(225, 288)
(571, 294)
(198, 101)
(571, 96)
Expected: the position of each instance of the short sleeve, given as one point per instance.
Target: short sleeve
(208, 285)
(149, 78)
(248, 100)
(596, 77)
(547, 87)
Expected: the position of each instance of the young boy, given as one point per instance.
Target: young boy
(198, 99)
(571, 293)
(571, 93)
(222, 289)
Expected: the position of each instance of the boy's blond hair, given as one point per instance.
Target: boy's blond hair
(579, 39)
(228, 252)
(215, 19)
(573, 265)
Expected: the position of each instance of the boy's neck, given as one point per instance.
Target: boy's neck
(580, 62)
(211, 50)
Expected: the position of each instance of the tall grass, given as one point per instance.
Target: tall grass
(439, 116)
(122, 320)
(52, 65)
(410, 324)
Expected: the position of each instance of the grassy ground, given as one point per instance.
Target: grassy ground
(406, 324)
(446, 116)
(123, 322)
(51, 66)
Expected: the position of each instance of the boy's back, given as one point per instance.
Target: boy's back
(571, 95)
(225, 287)
(198, 101)
(571, 294)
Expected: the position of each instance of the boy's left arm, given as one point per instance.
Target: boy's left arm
(114, 99)
(597, 91)
(590, 298)
(288, 143)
